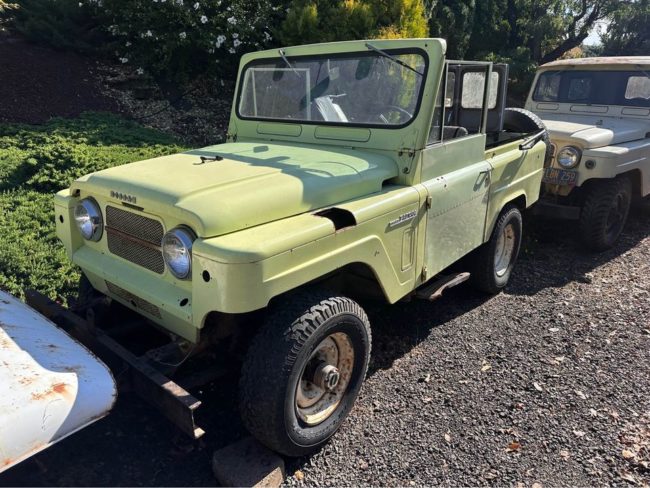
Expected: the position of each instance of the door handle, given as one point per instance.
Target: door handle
(485, 172)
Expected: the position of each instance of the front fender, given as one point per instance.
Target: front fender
(243, 271)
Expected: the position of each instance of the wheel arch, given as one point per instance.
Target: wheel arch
(519, 200)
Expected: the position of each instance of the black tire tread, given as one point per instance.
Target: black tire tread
(595, 211)
(289, 326)
(481, 276)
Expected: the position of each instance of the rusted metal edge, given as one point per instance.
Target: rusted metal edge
(177, 404)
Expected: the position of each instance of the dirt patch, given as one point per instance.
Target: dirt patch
(197, 113)
(37, 83)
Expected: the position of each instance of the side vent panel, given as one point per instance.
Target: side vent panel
(341, 218)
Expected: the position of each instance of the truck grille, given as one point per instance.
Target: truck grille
(135, 238)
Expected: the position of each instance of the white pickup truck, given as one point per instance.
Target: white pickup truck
(50, 385)
(597, 112)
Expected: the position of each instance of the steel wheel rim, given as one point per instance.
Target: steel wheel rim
(316, 400)
(505, 248)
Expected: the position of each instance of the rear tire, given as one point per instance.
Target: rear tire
(285, 395)
(604, 213)
(492, 263)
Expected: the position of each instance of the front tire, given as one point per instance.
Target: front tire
(493, 262)
(604, 213)
(303, 372)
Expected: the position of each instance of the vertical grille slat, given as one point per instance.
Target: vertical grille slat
(120, 225)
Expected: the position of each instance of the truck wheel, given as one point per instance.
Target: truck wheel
(525, 121)
(493, 262)
(303, 371)
(605, 212)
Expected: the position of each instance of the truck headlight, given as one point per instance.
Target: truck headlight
(88, 217)
(177, 251)
(568, 157)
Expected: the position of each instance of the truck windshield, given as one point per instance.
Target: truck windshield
(629, 88)
(356, 89)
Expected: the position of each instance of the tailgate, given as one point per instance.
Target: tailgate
(50, 385)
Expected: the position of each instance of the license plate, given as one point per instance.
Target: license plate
(557, 176)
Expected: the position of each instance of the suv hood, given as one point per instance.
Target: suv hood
(590, 132)
(254, 183)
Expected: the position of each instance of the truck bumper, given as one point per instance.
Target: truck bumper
(50, 385)
(556, 211)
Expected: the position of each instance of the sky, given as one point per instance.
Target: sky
(594, 35)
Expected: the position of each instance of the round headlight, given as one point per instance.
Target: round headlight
(568, 157)
(89, 220)
(177, 252)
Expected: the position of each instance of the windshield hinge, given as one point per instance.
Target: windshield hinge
(406, 155)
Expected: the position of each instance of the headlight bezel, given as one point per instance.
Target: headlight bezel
(186, 237)
(575, 154)
(96, 219)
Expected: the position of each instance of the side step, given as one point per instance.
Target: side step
(434, 290)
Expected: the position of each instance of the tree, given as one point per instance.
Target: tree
(327, 20)
(578, 18)
(629, 31)
(453, 21)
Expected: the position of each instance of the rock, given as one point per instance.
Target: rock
(248, 463)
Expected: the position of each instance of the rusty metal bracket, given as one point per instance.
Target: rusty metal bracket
(177, 404)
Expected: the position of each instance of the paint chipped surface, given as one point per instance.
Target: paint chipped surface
(50, 385)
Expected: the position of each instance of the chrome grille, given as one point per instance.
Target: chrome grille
(130, 223)
(134, 300)
(135, 238)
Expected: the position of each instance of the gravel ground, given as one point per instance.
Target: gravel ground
(546, 383)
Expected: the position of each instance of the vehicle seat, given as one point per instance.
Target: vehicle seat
(453, 132)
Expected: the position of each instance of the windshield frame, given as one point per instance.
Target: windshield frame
(342, 54)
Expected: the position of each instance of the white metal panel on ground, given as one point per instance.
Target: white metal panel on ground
(50, 385)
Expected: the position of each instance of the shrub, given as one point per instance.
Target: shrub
(62, 24)
(36, 161)
(326, 20)
(179, 39)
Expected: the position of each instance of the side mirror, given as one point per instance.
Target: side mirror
(532, 140)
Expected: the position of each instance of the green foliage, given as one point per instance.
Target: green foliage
(179, 39)
(629, 31)
(35, 162)
(523, 33)
(310, 21)
(6, 12)
(63, 24)
(453, 21)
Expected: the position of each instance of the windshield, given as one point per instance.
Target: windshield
(368, 89)
(631, 88)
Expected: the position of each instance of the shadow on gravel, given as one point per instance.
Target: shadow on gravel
(552, 255)
(398, 328)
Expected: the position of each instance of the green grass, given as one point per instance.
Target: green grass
(36, 162)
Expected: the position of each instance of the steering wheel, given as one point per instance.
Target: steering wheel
(404, 114)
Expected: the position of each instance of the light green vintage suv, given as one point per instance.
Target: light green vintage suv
(349, 168)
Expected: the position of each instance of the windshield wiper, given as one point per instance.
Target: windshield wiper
(392, 58)
(286, 60)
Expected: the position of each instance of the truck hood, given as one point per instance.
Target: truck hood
(590, 132)
(254, 183)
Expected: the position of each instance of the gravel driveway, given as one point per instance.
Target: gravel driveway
(546, 383)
